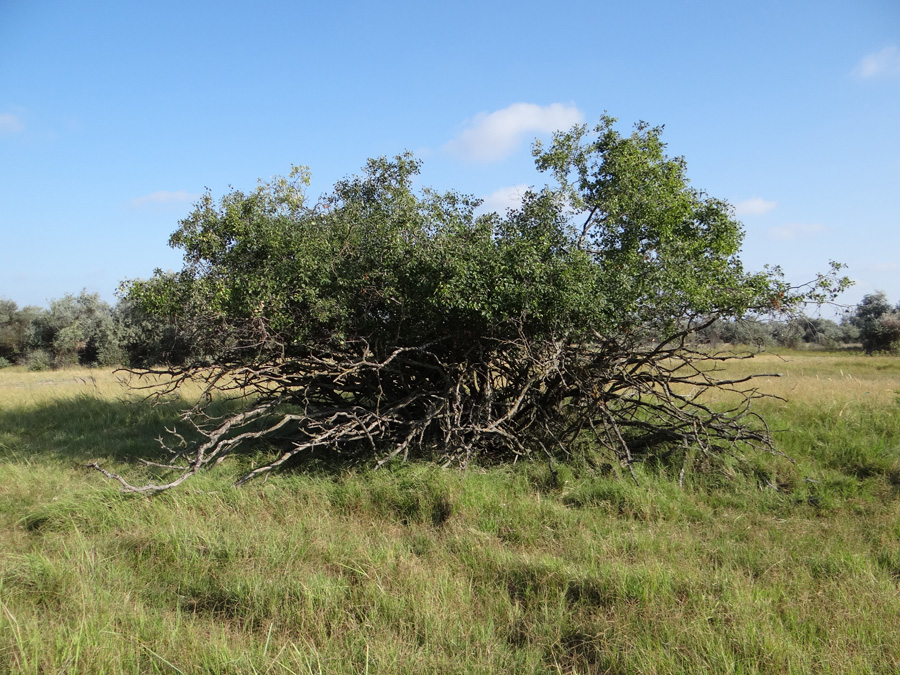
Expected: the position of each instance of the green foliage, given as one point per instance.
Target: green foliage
(144, 339)
(797, 331)
(4, 363)
(39, 359)
(878, 324)
(375, 260)
(823, 332)
(11, 337)
(15, 329)
(75, 330)
(663, 248)
(378, 263)
(747, 331)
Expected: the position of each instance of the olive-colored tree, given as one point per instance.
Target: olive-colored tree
(76, 329)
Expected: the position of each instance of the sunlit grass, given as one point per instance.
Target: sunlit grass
(813, 378)
(23, 389)
(759, 565)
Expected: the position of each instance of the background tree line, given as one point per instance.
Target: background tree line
(85, 330)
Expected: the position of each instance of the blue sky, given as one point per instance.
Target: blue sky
(115, 116)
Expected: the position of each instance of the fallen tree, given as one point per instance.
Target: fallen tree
(387, 324)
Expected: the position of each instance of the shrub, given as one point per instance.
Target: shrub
(38, 360)
(395, 324)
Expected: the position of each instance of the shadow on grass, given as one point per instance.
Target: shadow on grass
(82, 428)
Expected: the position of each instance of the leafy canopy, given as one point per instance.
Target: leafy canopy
(622, 242)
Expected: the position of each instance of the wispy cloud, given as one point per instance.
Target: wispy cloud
(166, 197)
(490, 137)
(796, 231)
(885, 63)
(504, 198)
(9, 123)
(754, 207)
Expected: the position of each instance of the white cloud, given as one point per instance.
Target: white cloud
(796, 230)
(10, 123)
(490, 137)
(504, 198)
(753, 207)
(883, 63)
(166, 197)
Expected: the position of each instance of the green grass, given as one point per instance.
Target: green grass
(758, 565)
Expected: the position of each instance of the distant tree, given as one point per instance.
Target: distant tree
(823, 332)
(12, 331)
(878, 323)
(794, 331)
(388, 323)
(15, 329)
(750, 331)
(76, 329)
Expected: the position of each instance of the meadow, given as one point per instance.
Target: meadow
(763, 564)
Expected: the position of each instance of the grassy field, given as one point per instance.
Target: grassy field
(759, 565)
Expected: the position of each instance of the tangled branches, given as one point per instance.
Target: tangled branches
(500, 400)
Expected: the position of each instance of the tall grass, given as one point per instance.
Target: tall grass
(762, 564)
